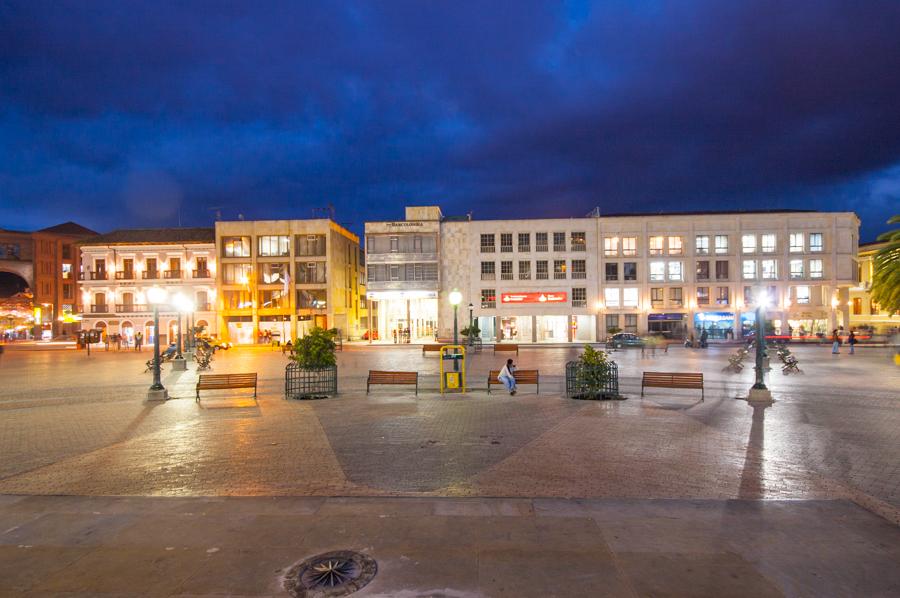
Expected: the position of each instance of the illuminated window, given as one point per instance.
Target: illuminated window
(611, 246)
(749, 269)
(559, 269)
(488, 298)
(721, 244)
(748, 243)
(702, 245)
(816, 269)
(796, 245)
(236, 246)
(274, 245)
(815, 242)
(629, 245)
(579, 297)
(656, 296)
(611, 295)
(721, 295)
(676, 297)
(525, 270)
(801, 294)
(702, 295)
(769, 269)
(579, 241)
(656, 245)
(657, 271)
(768, 243)
(676, 245)
(796, 268)
(630, 297)
(676, 271)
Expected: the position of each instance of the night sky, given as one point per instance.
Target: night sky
(123, 114)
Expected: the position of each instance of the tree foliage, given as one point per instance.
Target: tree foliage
(316, 349)
(886, 279)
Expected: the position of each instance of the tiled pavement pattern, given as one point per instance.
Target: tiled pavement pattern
(75, 425)
(459, 548)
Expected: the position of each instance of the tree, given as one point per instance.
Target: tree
(315, 350)
(886, 280)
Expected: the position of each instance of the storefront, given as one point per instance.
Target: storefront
(404, 316)
(717, 324)
(671, 325)
(811, 323)
(584, 329)
(240, 329)
(552, 329)
(274, 328)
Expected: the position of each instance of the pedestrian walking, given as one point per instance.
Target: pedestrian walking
(507, 376)
(835, 342)
(851, 340)
(704, 338)
(138, 340)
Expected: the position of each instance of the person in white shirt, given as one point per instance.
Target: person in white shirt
(507, 376)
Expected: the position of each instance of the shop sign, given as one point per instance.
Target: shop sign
(665, 317)
(714, 316)
(533, 297)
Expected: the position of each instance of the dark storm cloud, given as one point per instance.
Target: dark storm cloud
(526, 108)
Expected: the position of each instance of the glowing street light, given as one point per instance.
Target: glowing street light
(759, 391)
(157, 392)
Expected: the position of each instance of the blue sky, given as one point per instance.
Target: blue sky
(120, 113)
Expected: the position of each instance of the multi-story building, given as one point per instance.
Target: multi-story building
(863, 311)
(279, 278)
(118, 268)
(402, 276)
(578, 279)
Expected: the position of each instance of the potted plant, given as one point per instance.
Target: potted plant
(312, 373)
(593, 376)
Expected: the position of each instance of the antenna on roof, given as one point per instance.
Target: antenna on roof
(327, 212)
(595, 213)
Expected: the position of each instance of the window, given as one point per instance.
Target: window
(657, 271)
(275, 245)
(676, 245)
(631, 323)
(612, 323)
(611, 296)
(273, 298)
(579, 297)
(703, 270)
(796, 268)
(629, 245)
(237, 299)
(525, 270)
(656, 245)
(524, 241)
(152, 269)
(611, 246)
(748, 243)
(235, 246)
(676, 298)
(312, 298)
(559, 241)
(796, 243)
(721, 295)
(656, 296)
(314, 273)
(579, 241)
(488, 270)
(768, 243)
(202, 270)
(306, 245)
(801, 294)
(769, 269)
(487, 244)
(749, 269)
(488, 298)
(67, 291)
(273, 273)
(721, 244)
(505, 242)
(66, 252)
(236, 273)
(815, 242)
(676, 271)
(630, 271)
(612, 272)
(857, 306)
(702, 244)
(506, 271)
(702, 295)
(67, 271)
(541, 272)
(395, 244)
(815, 269)
(721, 270)
(540, 241)
(630, 297)
(579, 269)
(559, 269)
(748, 296)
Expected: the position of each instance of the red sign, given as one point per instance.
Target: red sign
(533, 297)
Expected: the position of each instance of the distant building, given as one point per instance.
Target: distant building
(863, 311)
(279, 278)
(119, 267)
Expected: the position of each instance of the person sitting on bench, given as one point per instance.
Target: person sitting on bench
(507, 376)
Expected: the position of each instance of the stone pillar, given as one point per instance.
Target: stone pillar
(534, 331)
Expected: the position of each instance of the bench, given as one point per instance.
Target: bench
(506, 347)
(380, 377)
(521, 376)
(223, 381)
(432, 348)
(672, 380)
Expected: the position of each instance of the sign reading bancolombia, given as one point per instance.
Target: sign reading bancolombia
(404, 224)
(532, 297)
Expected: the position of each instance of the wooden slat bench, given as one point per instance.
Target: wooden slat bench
(506, 347)
(381, 377)
(223, 381)
(673, 380)
(521, 376)
(432, 348)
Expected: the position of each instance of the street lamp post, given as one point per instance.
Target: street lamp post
(184, 306)
(759, 391)
(471, 324)
(455, 300)
(157, 391)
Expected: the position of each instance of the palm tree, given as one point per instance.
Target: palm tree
(886, 279)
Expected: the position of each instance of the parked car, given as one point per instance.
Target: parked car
(624, 339)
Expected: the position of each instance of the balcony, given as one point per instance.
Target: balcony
(172, 274)
(579, 275)
(488, 249)
(100, 309)
(541, 247)
(203, 307)
(131, 308)
(524, 248)
(201, 274)
(579, 247)
(506, 276)
(92, 275)
(150, 275)
(559, 276)
(579, 302)
(488, 276)
(506, 249)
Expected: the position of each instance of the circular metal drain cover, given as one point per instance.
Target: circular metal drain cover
(331, 574)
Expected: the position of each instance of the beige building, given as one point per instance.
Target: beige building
(577, 279)
(279, 278)
(863, 311)
(118, 268)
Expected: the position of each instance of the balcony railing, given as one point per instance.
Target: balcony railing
(150, 274)
(540, 247)
(100, 309)
(579, 274)
(524, 248)
(488, 276)
(559, 276)
(92, 276)
(579, 302)
(203, 307)
(487, 249)
(124, 275)
(541, 276)
(201, 274)
(506, 249)
(171, 274)
(579, 247)
(506, 276)
(132, 308)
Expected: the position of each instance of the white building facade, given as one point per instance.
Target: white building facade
(580, 279)
(118, 268)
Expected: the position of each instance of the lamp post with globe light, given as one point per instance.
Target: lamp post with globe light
(759, 391)
(157, 391)
(455, 300)
(184, 306)
(471, 324)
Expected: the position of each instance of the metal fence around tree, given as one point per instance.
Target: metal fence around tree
(592, 381)
(307, 383)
